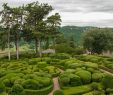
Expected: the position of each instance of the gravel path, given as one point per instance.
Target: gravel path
(56, 85)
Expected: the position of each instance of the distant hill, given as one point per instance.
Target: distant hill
(75, 31)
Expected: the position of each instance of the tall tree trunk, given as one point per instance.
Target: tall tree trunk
(9, 53)
(39, 48)
(54, 42)
(36, 46)
(17, 47)
(47, 43)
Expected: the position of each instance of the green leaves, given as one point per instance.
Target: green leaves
(98, 40)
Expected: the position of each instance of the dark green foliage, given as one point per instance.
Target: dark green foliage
(41, 64)
(92, 70)
(94, 86)
(75, 80)
(58, 92)
(2, 87)
(75, 32)
(60, 56)
(44, 91)
(64, 81)
(97, 77)
(7, 83)
(17, 89)
(107, 81)
(78, 51)
(2, 73)
(64, 48)
(98, 40)
(32, 84)
(68, 79)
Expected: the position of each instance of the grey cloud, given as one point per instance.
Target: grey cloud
(72, 6)
(103, 23)
(87, 5)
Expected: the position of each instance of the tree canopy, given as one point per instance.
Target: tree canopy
(98, 40)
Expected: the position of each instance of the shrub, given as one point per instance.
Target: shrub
(94, 86)
(45, 81)
(2, 73)
(97, 77)
(31, 84)
(2, 87)
(60, 56)
(107, 81)
(58, 92)
(52, 70)
(41, 64)
(64, 48)
(47, 59)
(19, 81)
(73, 65)
(32, 62)
(17, 89)
(70, 71)
(79, 51)
(85, 76)
(92, 70)
(64, 80)
(75, 80)
(43, 91)
(7, 83)
(91, 65)
(68, 79)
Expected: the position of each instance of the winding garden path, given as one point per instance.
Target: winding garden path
(56, 84)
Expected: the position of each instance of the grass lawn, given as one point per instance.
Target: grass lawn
(76, 90)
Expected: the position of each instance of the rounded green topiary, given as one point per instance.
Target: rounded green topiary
(31, 84)
(107, 81)
(64, 81)
(92, 70)
(85, 76)
(94, 86)
(97, 77)
(2, 87)
(58, 92)
(7, 83)
(17, 89)
(45, 81)
(75, 80)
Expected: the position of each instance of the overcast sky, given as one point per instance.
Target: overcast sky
(77, 12)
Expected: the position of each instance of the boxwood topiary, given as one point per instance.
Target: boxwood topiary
(64, 81)
(7, 83)
(58, 92)
(107, 82)
(2, 87)
(85, 76)
(75, 80)
(17, 89)
(32, 84)
(97, 77)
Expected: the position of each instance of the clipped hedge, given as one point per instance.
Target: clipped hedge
(60, 56)
(69, 79)
(97, 77)
(17, 89)
(44, 91)
(58, 92)
(85, 76)
(107, 82)
(2, 87)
